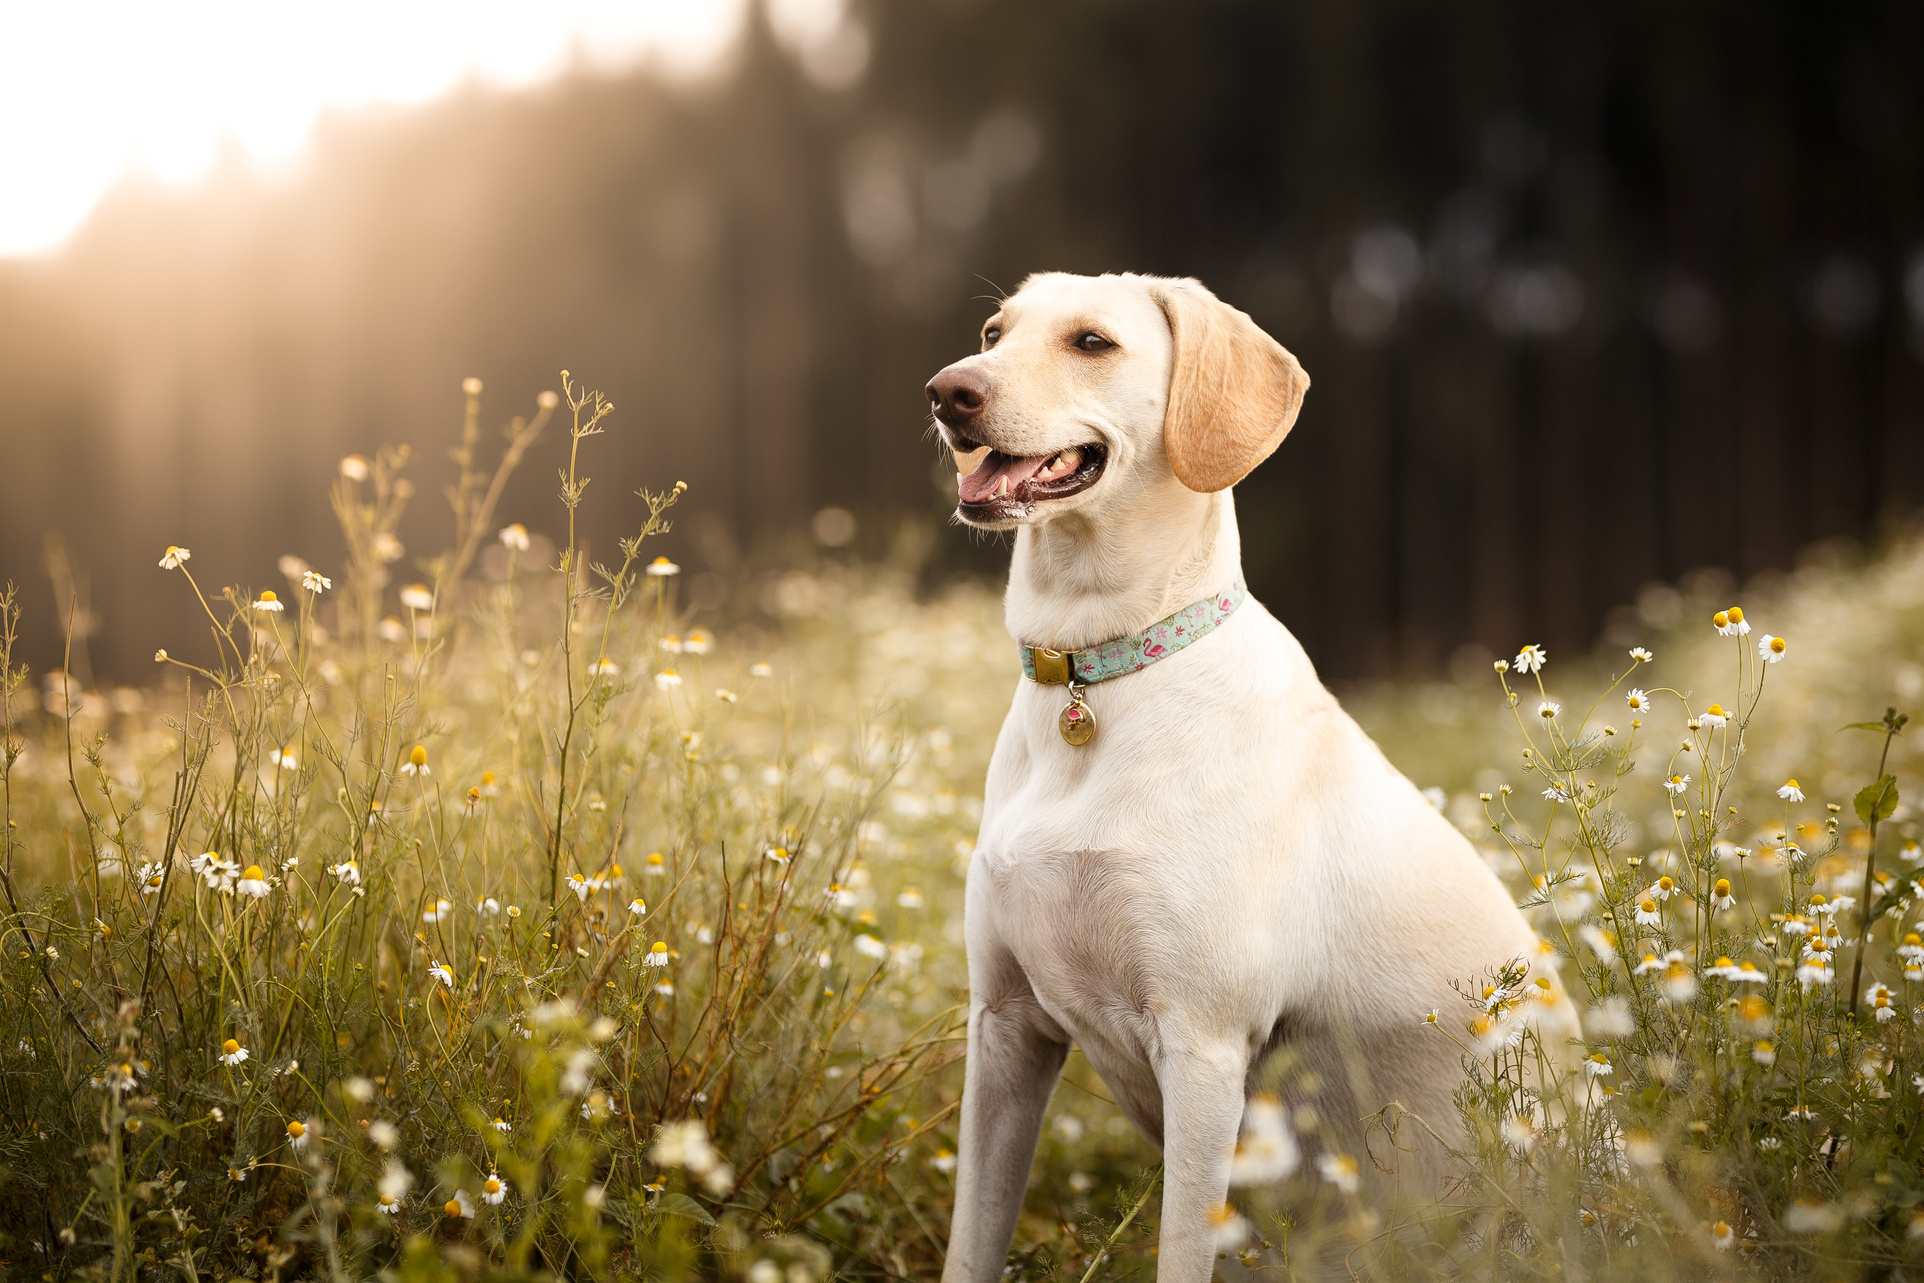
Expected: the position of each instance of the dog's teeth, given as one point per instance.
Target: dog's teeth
(1069, 458)
(1001, 486)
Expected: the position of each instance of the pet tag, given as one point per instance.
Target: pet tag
(1077, 723)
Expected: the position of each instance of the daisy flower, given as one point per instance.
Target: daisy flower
(1720, 896)
(253, 882)
(488, 905)
(1598, 1066)
(1912, 950)
(417, 597)
(671, 644)
(1737, 624)
(654, 866)
(1549, 708)
(1814, 973)
(269, 602)
(698, 642)
(725, 695)
(667, 679)
(1641, 655)
(442, 972)
(1638, 701)
(296, 1134)
(604, 668)
(417, 763)
(1650, 962)
(1677, 784)
(1340, 1170)
(514, 537)
(761, 668)
(1663, 888)
(174, 558)
(501, 1124)
(387, 1204)
(661, 568)
(150, 878)
(316, 582)
(1795, 925)
(460, 1207)
(579, 885)
(1771, 649)
(440, 911)
(1714, 716)
(637, 907)
(348, 871)
(1790, 792)
(493, 1191)
(1722, 1237)
(1721, 622)
(354, 468)
(1556, 792)
(1746, 973)
(870, 947)
(1266, 1151)
(909, 899)
(657, 956)
(232, 1053)
(1723, 968)
(1647, 914)
(1878, 999)
(1679, 984)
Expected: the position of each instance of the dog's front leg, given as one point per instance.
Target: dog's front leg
(1011, 1069)
(1202, 1109)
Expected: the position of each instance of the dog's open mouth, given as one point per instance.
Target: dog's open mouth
(1004, 487)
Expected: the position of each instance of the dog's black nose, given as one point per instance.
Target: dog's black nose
(958, 394)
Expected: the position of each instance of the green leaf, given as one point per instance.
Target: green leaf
(1879, 727)
(1876, 801)
(682, 1205)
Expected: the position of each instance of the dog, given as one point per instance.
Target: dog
(1200, 859)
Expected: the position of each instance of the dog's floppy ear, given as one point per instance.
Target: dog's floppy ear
(1233, 391)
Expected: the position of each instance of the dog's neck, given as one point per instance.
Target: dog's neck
(1078, 582)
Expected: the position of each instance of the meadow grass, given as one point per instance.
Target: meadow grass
(515, 922)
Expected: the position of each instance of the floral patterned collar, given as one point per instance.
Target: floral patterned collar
(1132, 654)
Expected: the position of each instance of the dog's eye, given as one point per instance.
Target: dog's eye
(1093, 342)
(990, 335)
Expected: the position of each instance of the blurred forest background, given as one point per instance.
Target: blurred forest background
(1592, 295)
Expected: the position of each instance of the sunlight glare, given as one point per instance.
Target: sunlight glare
(94, 90)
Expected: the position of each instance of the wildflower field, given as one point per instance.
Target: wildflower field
(489, 915)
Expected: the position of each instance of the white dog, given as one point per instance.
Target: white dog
(1197, 857)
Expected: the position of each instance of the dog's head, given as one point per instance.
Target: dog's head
(1089, 390)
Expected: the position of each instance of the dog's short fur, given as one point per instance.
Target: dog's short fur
(1231, 865)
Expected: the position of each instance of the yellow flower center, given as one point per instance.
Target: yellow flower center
(1648, 906)
(269, 596)
(1777, 645)
(1790, 784)
(1543, 982)
(1736, 614)
(252, 873)
(229, 1047)
(452, 1208)
(387, 1200)
(654, 860)
(1715, 710)
(492, 1185)
(419, 756)
(1600, 1058)
(296, 1129)
(660, 947)
(1911, 937)
(1816, 901)
(1723, 962)
(1665, 883)
(1721, 619)
(1723, 886)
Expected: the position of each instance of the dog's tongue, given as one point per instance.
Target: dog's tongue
(995, 467)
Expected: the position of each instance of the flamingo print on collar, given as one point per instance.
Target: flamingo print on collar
(1132, 654)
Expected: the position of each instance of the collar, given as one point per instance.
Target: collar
(1135, 652)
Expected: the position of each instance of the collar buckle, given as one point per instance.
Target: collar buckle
(1052, 667)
